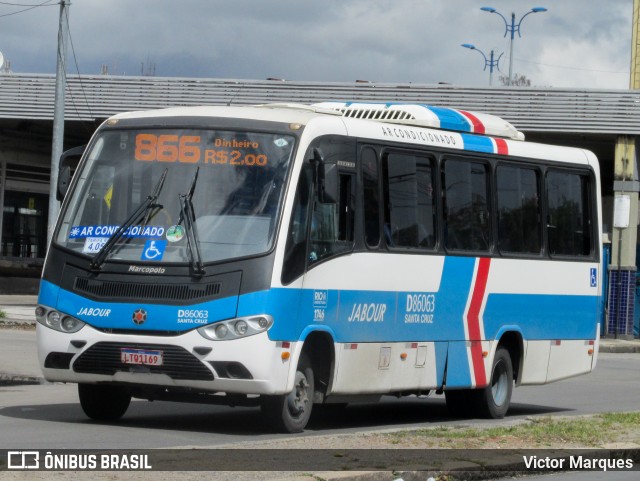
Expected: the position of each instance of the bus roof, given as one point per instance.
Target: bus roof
(471, 130)
(421, 115)
(418, 115)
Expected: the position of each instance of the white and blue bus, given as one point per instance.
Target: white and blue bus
(288, 255)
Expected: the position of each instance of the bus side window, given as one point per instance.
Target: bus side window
(466, 215)
(332, 217)
(371, 194)
(410, 210)
(569, 214)
(519, 217)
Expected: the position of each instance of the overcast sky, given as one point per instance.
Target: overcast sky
(576, 43)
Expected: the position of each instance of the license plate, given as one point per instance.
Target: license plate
(141, 357)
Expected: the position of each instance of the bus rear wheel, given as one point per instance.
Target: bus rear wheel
(290, 413)
(493, 401)
(103, 402)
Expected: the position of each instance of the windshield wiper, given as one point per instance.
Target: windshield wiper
(188, 215)
(148, 203)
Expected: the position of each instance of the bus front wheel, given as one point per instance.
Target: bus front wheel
(290, 413)
(103, 402)
(493, 400)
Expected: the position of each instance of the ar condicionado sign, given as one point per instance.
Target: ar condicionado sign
(187, 149)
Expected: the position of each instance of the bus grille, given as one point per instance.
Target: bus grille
(178, 363)
(140, 291)
(376, 113)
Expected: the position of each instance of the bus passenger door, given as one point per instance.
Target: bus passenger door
(331, 235)
(320, 229)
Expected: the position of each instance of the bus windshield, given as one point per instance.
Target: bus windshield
(233, 180)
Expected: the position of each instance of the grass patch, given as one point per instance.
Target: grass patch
(546, 432)
(622, 418)
(3, 314)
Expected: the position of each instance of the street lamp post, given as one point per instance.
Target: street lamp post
(512, 28)
(488, 62)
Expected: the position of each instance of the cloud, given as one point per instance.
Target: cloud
(574, 44)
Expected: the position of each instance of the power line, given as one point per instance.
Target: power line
(21, 4)
(46, 3)
(572, 68)
(75, 61)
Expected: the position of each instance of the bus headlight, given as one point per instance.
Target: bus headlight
(263, 322)
(53, 318)
(236, 328)
(221, 331)
(241, 327)
(70, 324)
(57, 320)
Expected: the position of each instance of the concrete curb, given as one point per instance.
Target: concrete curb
(620, 345)
(16, 323)
(19, 380)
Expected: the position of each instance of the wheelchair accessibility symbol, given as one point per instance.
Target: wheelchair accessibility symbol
(153, 250)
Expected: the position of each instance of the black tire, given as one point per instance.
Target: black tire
(290, 413)
(493, 401)
(460, 402)
(103, 402)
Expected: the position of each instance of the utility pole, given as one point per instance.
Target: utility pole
(635, 47)
(58, 118)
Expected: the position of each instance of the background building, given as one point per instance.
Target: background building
(604, 121)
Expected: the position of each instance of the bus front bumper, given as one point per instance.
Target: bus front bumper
(249, 365)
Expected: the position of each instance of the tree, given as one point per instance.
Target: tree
(518, 80)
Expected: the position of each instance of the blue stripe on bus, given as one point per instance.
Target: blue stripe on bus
(118, 315)
(458, 369)
(356, 316)
(538, 316)
(543, 316)
(450, 119)
(48, 294)
(478, 143)
(379, 316)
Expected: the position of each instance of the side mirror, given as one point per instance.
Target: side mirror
(69, 161)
